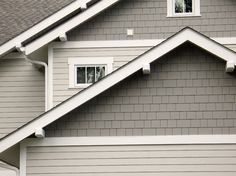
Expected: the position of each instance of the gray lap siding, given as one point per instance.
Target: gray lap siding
(187, 92)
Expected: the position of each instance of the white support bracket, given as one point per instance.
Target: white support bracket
(63, 37)
(83, 5)
(229, 67)
(40, 133)
(20, 48)
(146, 69)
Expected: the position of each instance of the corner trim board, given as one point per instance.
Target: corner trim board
(50, 77)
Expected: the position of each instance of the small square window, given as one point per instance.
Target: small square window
(182, 8)
(84, 71)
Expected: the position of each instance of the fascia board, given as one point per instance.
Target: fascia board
(10, 45)
(120, 74)
(131, 140)
(70, 24)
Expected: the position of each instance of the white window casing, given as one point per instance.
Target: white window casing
(87, 61)
(171, 9)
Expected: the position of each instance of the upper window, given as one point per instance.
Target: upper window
(181, 8)
(86, 71)
(87, 74)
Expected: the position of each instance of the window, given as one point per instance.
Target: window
(83, 71)
(89, 74)
(182, 8)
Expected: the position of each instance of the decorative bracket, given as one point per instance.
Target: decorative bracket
(146, 69)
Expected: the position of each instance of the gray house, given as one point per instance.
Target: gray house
(117, 87)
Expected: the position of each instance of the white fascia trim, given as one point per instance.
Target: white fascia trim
(132, 140)
(107, 44)
(127, 43)
(70, 24)
(11, 44)
(173, 42)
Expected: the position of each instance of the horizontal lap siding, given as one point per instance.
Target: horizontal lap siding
(61, 89)
(21, 94)
(140, 160)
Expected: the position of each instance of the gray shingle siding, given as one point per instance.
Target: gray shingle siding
(149, 21)
(187, 92)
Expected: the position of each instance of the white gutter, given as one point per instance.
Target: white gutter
(46, 77)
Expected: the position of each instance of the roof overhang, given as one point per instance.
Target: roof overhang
(185, 35)
(78, 19)
(69, 25)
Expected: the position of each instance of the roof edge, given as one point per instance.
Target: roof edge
(185, 35)
(57, 16)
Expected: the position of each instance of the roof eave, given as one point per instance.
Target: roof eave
(185, 35)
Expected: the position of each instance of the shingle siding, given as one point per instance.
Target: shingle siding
(149, 20)
(187, 92)
(21, 94)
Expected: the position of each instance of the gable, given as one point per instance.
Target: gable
(185, 35)
(187, 93)
(149, 20)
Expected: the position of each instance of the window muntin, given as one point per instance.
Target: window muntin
(83, 71)
(183, 6)
(89, 74)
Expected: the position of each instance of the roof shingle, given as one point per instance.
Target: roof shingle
(16, 16)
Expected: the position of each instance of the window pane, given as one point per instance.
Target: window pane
(100, 72)
(80, 75)
(90, 74)
(188, 6)
(179, 6)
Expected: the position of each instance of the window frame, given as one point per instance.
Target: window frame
(85, 66)
(171, 9)
(75, 62)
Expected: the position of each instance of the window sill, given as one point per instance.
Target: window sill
(81, 86)
(182, 16)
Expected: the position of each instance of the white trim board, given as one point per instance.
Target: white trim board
(41, 26)
(126, 43)
(68, 25)
(185, 35)
(132, 140)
